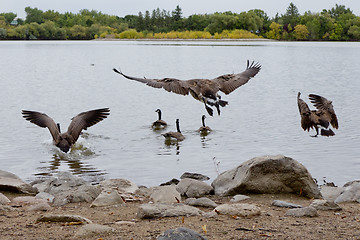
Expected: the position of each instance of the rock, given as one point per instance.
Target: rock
(94, 231)
(46, 196)
(180, 233)
(201, 202)
(165, 194)
(267, 174)
(4, 208)
(211, 214)
(331, 193)
(279, 203)
(26, 200)
(302, 212)
(3, 199)
(166, 210)
(351, 193)
(144, 191)
(127, 223)
(238, 209)
(39, 207)
(239, 198)
(173, 181)
(11, 182)
(121, 185)
(196, 176)
(351, 182)
(67, 188)
(107, 198)
(63, 218)
(193, 188)
(325, 205)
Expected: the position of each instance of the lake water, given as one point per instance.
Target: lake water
(64, 78)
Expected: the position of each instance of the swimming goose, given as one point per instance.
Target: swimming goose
(78, 123)
(204, 90)
(175, 135)
(203, 128)
(322, 117)
(159, 123)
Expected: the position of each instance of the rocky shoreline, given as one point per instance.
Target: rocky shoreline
(269, 196)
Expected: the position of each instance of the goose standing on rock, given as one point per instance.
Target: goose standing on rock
(204, 90)
(203, 128)
(322, 117)
(78, 123)
(175, 135)
(159, 123)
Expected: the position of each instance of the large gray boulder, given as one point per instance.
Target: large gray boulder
(11, 182)
(267, 174)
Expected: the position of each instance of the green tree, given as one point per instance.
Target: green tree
(9, 17)
(3, 33)
(354, 32)
(292, 15)
(336, 11)
(221, 22)
(33, 15)
(250, 21)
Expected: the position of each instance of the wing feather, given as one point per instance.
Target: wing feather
(85, 120)
(324, 104)
(42, 120)
(230, 82)
(169, 84)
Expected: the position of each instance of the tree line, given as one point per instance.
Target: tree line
(337, 23)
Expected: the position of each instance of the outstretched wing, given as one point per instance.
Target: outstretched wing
(85, 120)
(169, 84)
(322, 103)
(305, 113)
(230, 82)
(42, 120)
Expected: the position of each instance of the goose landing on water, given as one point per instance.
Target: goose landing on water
(203, 128)
(78, 123)
(175, 135)
(159, 123)
(322, 117)
(204, 90)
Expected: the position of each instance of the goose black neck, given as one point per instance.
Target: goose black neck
(203, 120)
(58, 125)
(159, 113)
(178, 126)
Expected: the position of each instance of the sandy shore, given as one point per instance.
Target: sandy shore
(271, 224)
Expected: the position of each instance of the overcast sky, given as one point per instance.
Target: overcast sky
(189, 7)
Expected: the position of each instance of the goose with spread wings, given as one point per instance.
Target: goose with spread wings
(323, 116)
(80, 122)
(204, 90)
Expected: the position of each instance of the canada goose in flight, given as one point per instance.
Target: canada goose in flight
(175, 135)
(204, 90)
(322, 117)
(78, 123)
(203, 128)
(159, 123)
